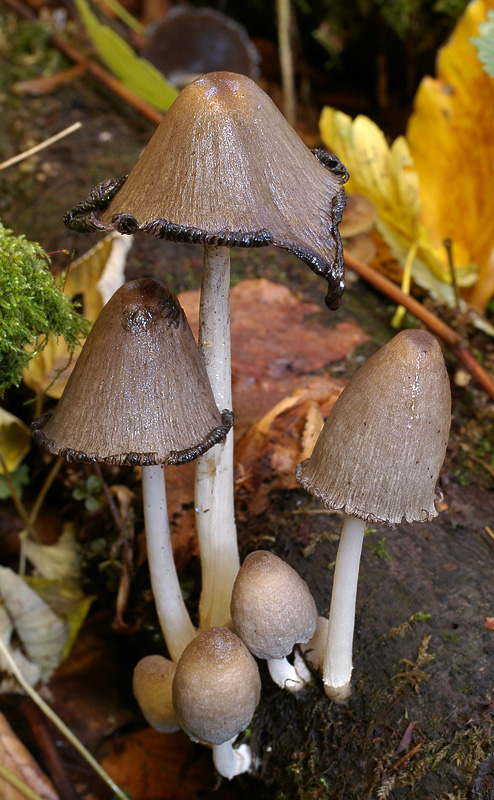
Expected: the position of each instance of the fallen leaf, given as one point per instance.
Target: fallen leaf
(46, 84)
(59, 561)
(15, 440)
(29, 669)
(15, 758)
(92, 278)
(451, 138)
(43, 635)
(489, 623)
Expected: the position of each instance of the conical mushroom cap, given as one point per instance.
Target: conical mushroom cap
(379, 454)
(139, 392)
(225, 168)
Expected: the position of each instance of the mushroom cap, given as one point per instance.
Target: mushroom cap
(379, 454)
(152, 687)
(360, 216)
(192, 41)
(139, 392)
(224, 167)
(216, 687)
(272, 608)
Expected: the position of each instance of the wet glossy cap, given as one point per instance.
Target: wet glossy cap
(216, 687)
(139, 392)
(379, 454)
(225, 168)
(272, 608)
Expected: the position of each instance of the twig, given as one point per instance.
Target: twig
(51, 754)
(40, 146)
(55, 469)
(91, 66)
(62, 727)
(16, 782)
(436, 325)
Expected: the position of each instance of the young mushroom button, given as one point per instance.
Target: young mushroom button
(152, 687)
(272, 610)
(139, 395)
(215, 692)
(225, 169)
(378, 458)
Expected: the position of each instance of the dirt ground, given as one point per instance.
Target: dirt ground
(420, 722)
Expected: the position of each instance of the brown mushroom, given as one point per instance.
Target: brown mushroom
(152, 687)
(215, 692)
(272, 611)
(187, 42)
(224, 168)
(378, 458)
(139, 395)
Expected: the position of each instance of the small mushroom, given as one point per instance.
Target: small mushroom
(215, 692)
(225, 168)
(139, 395)
(272, 610)
(378, 458)
(152, 687)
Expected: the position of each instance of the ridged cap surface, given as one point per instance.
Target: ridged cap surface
(216, 687)
(224, 167)
(379, 454)
(139, 392)
(272, 608)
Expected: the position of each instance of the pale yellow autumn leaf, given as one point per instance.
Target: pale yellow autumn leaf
(15, 440)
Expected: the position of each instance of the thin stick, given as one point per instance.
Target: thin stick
(62, 727)
(436, 325)
(98, 72)
(41, 145)
(16, 782)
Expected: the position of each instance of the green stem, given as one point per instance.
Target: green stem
(62, 727)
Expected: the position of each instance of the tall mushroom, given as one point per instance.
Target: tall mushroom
(224, 168)
(378, 458)
(139, 395)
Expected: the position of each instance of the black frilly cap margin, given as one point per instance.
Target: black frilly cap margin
(84, 218)
(175, 457)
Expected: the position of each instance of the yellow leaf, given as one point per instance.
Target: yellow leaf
(387, 175)
(15, 440)
(451, 138)
(86, 280)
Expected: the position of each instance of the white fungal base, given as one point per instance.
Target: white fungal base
(230, 761)
(215, 515)
(174, 618)
(289, 676)
(337, 667)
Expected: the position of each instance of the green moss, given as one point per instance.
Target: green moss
(32, 307)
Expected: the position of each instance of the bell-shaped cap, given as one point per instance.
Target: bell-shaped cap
(152, 687)
(272, 607)
(139, 392)
(225, 168)
(216, 687)
(379, 454)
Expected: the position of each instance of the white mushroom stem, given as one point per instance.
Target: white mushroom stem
(289, 676)
(214, 504)
(173, 616)
(337, 667)
(230, 761)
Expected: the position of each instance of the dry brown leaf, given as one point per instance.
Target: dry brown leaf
(489, 623)
(18, 760)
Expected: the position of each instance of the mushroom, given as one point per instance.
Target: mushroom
(187, 42)
(378, 458)
(272, 610)
(224, 168)
(139, 395)
(215, 692)
(152, 687)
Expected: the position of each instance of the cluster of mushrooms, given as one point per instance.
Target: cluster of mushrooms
(225, 169)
